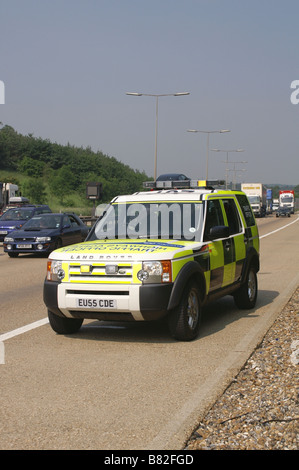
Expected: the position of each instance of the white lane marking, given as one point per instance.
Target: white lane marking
(278, 229)
(44, 321)
(23, 329)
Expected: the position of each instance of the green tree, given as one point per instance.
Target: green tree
(30, 167)
(34, 189)
(62, 183)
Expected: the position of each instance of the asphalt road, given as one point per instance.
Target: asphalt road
(126, 386)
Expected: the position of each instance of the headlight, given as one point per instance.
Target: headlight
(55, 271)
(8, 240)
(155, 271)
(43, 239)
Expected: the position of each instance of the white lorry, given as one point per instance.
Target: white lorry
(257, 196)
(287, 199)
(7, 191)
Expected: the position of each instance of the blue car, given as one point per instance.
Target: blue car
(44, 233)
(16, 217)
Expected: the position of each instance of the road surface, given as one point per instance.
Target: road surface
(126, 386)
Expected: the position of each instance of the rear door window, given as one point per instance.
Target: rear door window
(246, 209)
(232, 215)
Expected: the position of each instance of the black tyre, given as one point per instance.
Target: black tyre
(63, 325)
(184, 320)
(245, 297)
(13, 255)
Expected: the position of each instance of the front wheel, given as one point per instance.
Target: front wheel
(63, 325)
(184, 320)
(246, 295)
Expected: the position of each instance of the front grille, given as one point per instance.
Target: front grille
(97, 292)
(32, 239)
(96, 272)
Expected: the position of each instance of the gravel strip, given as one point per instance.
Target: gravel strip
(260, 408)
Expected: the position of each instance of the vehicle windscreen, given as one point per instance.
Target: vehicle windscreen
(162, 220)
(40, 222)
(17, 214)
(254, 199)
(286, 199)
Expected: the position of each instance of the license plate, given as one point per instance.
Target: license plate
(24, 246)
(3, 232)
(96, 303)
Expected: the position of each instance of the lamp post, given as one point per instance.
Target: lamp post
(208, 138)
(156, 131)
(234, 170)
(226, 168)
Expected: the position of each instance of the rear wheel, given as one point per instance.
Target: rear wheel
(184, 320)
(63, 325)
(246, 296)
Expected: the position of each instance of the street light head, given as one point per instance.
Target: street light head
(133, 94)
(209, 132)
(182, 93)
(226, 150)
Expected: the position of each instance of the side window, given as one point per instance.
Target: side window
(214, 216)
(232, 215)
(246, 209)
(66, 220)
(74, 222)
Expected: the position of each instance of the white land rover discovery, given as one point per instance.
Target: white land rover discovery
(159, 253)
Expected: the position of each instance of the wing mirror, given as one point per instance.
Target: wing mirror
(220, 231)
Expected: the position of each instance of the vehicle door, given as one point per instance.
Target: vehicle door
(214, 218)
(77, 233)
(234, 246)
(68, 232)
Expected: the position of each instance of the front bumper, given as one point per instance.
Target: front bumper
(29, 247)
(129, 302)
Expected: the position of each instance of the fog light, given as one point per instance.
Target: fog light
(9, 247)
(142, 275)
(40, 247)
(60, 274)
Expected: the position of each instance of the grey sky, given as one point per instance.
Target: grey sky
(67, 65)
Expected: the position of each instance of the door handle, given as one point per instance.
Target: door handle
(227, 245)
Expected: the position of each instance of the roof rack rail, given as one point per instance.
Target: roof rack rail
(183, 184)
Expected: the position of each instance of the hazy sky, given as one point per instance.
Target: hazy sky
(67, 65)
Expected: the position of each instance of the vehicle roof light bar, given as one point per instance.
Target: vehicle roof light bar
(183, 184)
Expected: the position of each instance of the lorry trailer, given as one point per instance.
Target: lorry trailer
(257, 196)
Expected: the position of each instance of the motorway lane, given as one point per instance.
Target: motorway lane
(118, 386)
(21, 281)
